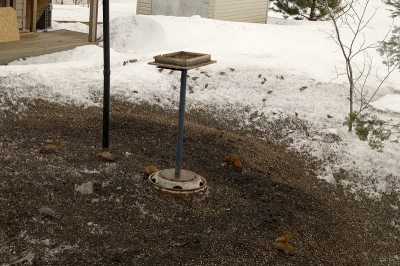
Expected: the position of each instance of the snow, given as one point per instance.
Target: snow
(388, 102)
(289, 54)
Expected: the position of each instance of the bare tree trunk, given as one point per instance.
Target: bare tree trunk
(351, 93)
(349, 69)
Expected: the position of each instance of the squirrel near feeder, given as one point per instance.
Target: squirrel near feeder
(49, 148)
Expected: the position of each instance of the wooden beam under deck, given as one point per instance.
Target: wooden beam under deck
(34, 16)
(44, 43)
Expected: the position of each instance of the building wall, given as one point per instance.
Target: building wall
(143, 7)
(20, 7)
(239, 10)
(180, 8)
(231, 10)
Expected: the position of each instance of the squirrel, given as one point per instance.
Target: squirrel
(149, 169)
(238, 164)
(107, 155)
(281, 243)
(51, 147)
(232, 158)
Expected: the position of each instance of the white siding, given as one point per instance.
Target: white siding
(241, 10)
(211, 8)
(180, 8)
(231, 10)
(143, 7)
(20, 7)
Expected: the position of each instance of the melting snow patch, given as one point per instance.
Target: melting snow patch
(85, 188)
(327, 175)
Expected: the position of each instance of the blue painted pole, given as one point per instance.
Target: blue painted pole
(107, 72)
(178, 162)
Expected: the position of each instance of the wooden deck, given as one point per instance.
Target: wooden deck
(44, 43)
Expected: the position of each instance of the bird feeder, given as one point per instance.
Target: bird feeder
(180, 182)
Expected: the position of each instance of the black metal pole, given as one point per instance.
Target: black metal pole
(107, 72)
(178, 162)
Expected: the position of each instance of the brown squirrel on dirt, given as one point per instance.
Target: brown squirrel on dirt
(232, 158)
(51, 147)
(149, 169)
(107, 155)
(281, 243)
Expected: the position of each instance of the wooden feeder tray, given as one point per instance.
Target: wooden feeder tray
(182, 60)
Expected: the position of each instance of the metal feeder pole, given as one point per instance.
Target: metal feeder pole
(107, 72)
(178, 162)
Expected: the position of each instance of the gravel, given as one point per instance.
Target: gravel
(124, 221)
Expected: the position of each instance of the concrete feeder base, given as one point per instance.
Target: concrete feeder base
(185, 185)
